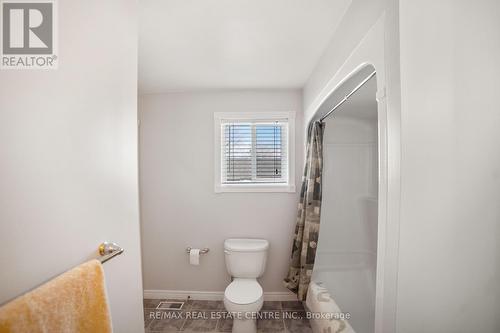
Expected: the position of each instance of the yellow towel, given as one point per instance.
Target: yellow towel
(74, 302)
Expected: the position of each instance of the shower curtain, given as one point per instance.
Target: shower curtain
(308, 217)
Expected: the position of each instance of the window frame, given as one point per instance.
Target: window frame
(289, 186)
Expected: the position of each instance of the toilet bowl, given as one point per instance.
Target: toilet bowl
(243, 298)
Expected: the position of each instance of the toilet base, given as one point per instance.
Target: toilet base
(244, 326)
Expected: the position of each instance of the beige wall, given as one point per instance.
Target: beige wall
(68, 169)
(178, 205)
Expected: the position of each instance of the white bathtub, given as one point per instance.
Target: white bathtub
(349, 279)
(319, 301)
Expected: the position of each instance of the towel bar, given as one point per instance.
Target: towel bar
(108, 250)
(202, 251)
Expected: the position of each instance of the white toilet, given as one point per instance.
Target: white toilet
(243, 298)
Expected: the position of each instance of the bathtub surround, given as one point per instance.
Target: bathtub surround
(179, 205)
(306, 234)
(346, 256)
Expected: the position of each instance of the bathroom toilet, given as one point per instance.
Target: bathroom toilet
(243, 298)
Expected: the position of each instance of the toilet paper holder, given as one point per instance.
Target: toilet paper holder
(202, 251)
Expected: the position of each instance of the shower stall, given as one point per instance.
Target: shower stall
(344, 276)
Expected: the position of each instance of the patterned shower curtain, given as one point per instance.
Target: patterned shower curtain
(308, 217)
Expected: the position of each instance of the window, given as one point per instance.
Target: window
(253, 152)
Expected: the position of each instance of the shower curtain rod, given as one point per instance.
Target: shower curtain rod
(347, 96)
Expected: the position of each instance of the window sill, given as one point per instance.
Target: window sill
(254, 188)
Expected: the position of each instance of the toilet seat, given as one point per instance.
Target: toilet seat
(243, 291)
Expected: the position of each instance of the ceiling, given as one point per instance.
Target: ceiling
(232, 44)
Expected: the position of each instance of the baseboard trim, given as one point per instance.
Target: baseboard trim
(212, 295)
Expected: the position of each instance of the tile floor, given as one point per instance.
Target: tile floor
(210, 316)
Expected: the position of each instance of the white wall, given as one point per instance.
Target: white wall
(359, 18)
(68, 170)
(178, 205)
(450, 231)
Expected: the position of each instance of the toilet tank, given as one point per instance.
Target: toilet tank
(246, 257)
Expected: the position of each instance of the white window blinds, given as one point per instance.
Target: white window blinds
(254, 152)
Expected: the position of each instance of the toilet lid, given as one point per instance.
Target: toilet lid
(246, 245)
(243, 291)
